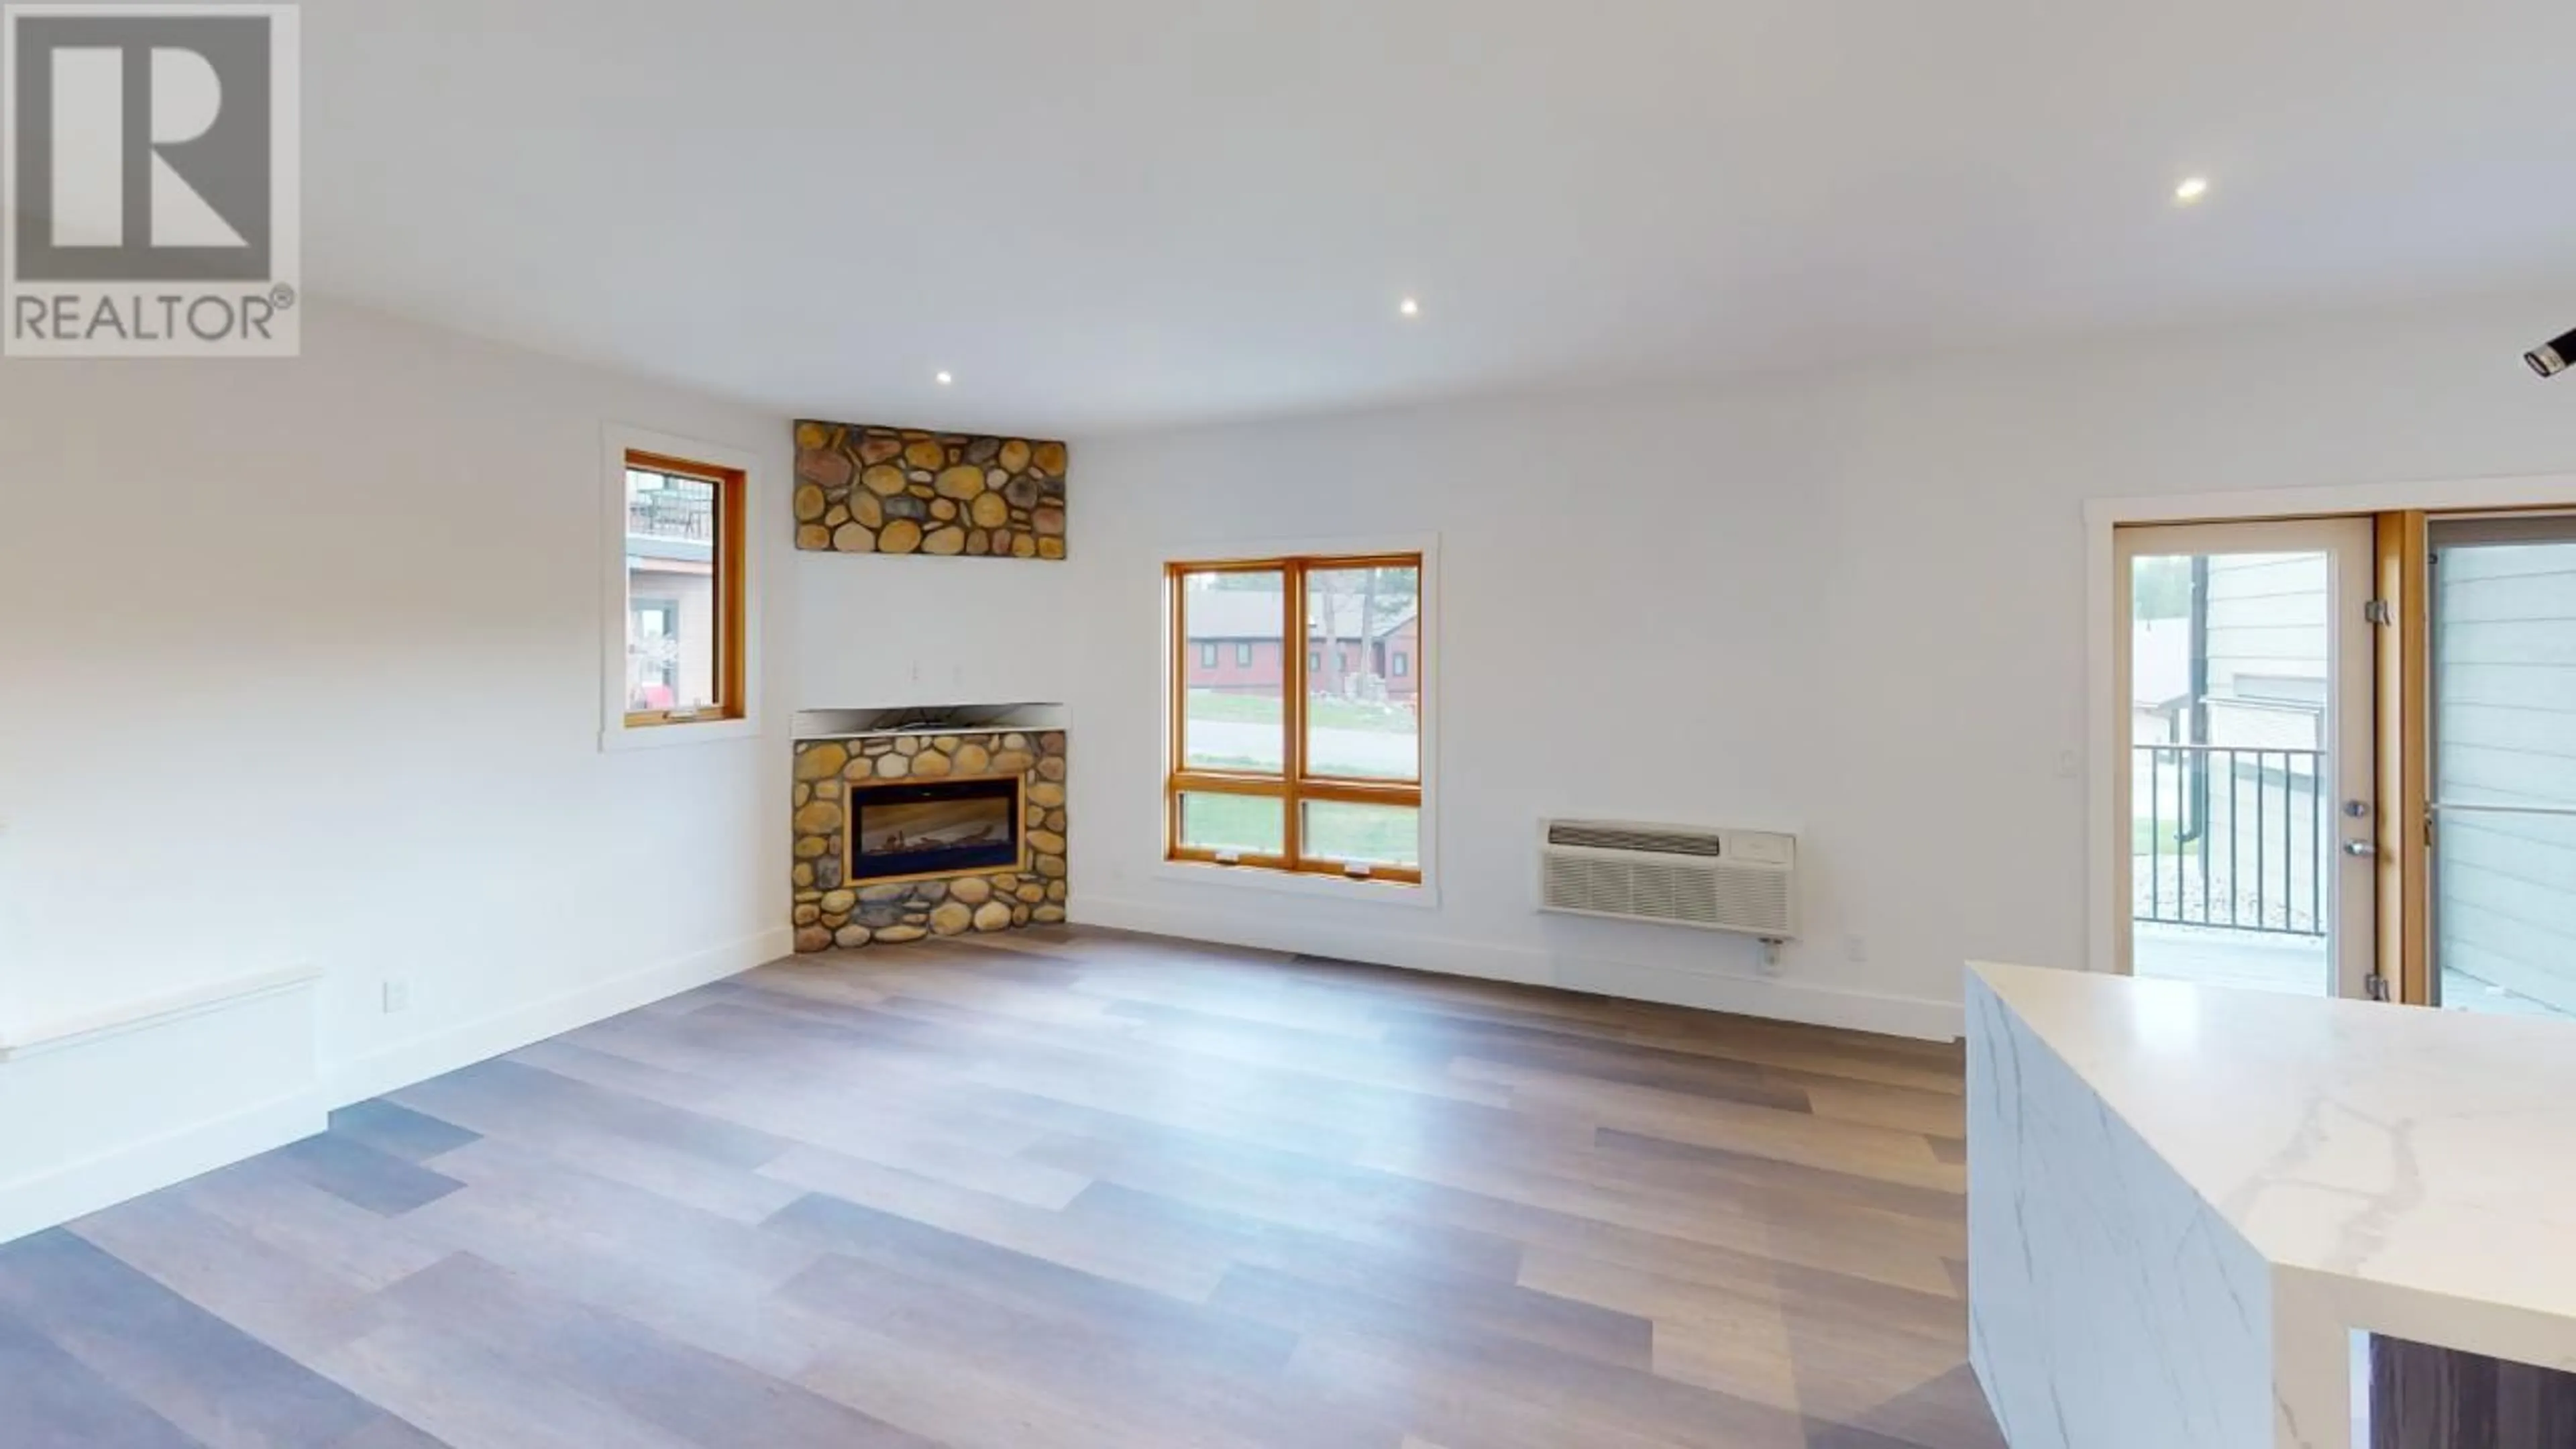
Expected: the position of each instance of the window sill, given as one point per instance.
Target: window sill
(1425, 896)
(623, 737)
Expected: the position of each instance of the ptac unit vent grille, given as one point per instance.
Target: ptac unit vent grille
(1630, 837)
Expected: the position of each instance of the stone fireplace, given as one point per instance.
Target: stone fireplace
(909, 830)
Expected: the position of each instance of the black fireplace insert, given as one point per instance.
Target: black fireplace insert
(934, 827)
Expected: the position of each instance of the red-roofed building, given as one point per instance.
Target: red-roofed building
(1233, 647)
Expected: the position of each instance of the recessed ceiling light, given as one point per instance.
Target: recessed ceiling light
(946, 378)
(1409, 307)
(2192, 189)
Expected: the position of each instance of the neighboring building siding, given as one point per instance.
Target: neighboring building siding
(688, 590)
(2268, 828)
(1231, 673)
(2505, 697)
(2268, 642)
(1400, 662)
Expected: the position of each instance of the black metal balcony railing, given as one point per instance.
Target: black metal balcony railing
(2232, 836)
(672, 513)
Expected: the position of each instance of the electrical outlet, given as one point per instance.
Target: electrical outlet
(397, 996)
(1856, 949)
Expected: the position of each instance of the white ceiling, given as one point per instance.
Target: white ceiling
(1104, 214)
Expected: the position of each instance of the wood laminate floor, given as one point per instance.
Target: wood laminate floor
(1062, 1189)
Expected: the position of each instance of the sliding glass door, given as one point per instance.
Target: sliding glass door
(2503, 775)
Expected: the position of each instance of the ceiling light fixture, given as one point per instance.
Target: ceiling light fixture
(2192, 189)
(1409, 307)
(946, 378)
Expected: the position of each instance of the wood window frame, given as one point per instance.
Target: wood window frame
(1295, 785)
(733, 488)
(736, 558)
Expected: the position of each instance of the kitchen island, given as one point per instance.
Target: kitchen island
(2186, 1202)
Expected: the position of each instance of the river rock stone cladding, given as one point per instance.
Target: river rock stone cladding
(893, 490)
(832, 912)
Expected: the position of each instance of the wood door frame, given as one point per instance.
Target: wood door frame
(2103, 700)
(2405, 753)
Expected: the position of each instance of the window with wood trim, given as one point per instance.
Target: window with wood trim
(684, 591)
(1310, 761)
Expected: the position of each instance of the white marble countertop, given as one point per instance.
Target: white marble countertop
(2421, 1164)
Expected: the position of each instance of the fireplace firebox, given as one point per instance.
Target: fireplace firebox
(922, 829)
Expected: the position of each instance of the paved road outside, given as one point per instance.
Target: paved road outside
(1373, 752)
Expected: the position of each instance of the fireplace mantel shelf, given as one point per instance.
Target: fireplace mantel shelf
(932, 732)
(894, 722)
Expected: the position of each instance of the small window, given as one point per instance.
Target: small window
(1243, 656)
(1319, 773)
(1207, 656)
(684, 592)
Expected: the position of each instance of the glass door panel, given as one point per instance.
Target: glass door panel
(2247, 724)
(2504, 765)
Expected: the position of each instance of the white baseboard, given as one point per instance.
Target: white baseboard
(425, 1057)
(77, 1189)
(116, 1080)
(112, 1104)
(1668, 985)
(275, 1027)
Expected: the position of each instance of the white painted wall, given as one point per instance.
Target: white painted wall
(888, 631)
(1852, 605)
(301, 667)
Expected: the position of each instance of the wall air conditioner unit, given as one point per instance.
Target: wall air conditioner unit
(1717, 880)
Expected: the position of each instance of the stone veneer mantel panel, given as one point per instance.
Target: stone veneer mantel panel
(833, 912)
(866, 489)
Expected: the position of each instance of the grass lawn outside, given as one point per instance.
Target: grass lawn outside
(1375, 834)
